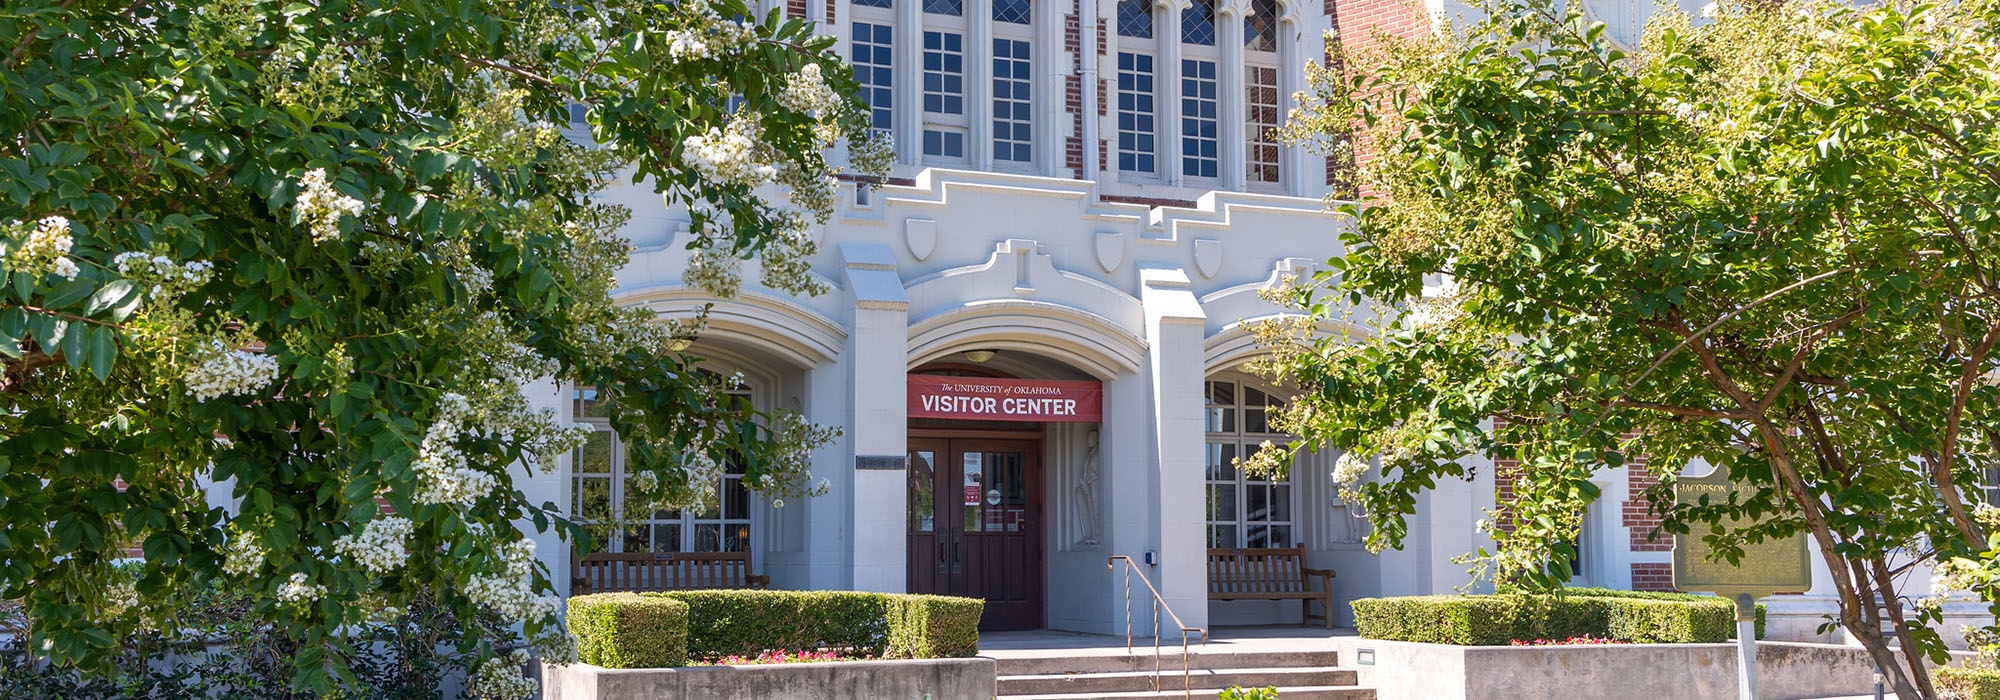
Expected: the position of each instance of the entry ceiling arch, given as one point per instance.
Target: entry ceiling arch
(1235, 344)
(754, 321)
(1083, 340)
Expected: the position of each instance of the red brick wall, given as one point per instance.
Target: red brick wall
(1073, 92)
(795, 9)
(1356, 23)
(1638, 511)
(1653, 577)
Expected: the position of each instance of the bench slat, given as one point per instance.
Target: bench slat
(606, 572)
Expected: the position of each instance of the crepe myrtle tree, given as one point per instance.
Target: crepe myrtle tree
(1763, 239)
(306, 254)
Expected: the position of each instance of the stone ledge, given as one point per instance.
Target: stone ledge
(1415, 671)
(940, 679)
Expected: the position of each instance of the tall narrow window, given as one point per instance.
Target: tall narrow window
(944, 94)
(1260, 92)
(621, 522)
(1244, 510)
(873, 69)
(1136, 130)
(1261, 124)
(1198, 118)
(1013, 126)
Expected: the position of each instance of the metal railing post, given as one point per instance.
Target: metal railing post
(1159, 603)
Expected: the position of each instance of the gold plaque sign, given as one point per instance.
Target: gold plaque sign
(1767, 567)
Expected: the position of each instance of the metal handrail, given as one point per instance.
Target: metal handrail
(1159, 603)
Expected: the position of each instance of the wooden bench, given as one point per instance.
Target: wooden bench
(1269, 574)
(605, 572)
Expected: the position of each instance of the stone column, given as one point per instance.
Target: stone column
(1175, 326)
(907, 119)
(1230, 84)
(1167, 77)
(979, 83)
(877, 356)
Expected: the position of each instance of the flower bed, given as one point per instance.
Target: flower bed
(1572, 641)
(778, 657)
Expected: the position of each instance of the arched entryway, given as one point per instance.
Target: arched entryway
(979, 431)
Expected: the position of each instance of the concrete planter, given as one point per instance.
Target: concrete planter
(1785, 671)
(941, 679)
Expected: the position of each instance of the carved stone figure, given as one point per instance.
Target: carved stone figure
(1087, 475)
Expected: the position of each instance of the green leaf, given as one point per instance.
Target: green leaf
(69, 292)
(103, 351)
(108, 296)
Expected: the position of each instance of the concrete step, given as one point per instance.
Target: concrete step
(1171, 679)
(1053, 664)
(1299, 693)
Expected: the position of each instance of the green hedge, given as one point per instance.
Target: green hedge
(716, 624)
(933, 626)
(1955, 683)
(1663, 595)
(746, 622)
(1493, 620)
(628, 630)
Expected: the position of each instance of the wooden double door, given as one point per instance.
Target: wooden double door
(976, 525)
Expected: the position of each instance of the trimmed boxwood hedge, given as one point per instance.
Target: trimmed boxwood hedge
(628, 630)
(1663, 595)
(933, 626)
(716, 624)
(1954, 683)
(1494, 620)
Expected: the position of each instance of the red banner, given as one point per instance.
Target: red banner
(1028, 400)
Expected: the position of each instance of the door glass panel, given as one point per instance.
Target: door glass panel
(1006, 497)
(975, 491)
(923, 517)
(1222, 501)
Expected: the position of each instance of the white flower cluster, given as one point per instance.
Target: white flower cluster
(167, 278)
(807, 91)
(500, 678)
(320, 207)
(787, 258)
(871, 151)
(121, 594)
(447, 475)
(222, 371)
(1988, 517)
(444, 472)
(298, 590)
(243, 556)
(731, 155)
(708, 35)
(511, 593)
(713, 266)
(45, 248)
(1349, 469)
(380, 546)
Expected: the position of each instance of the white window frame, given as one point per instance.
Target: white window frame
(1211, 54)
(959, 124)
(1228, 437)
(689, 523)
(1255, 135)
(1026, 34)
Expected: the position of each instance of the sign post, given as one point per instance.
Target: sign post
(1767, 567)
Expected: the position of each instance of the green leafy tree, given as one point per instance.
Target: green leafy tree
(1763, 239)
(307, 254)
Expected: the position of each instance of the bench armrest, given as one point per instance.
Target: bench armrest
(759, 582)
(1324, 574)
